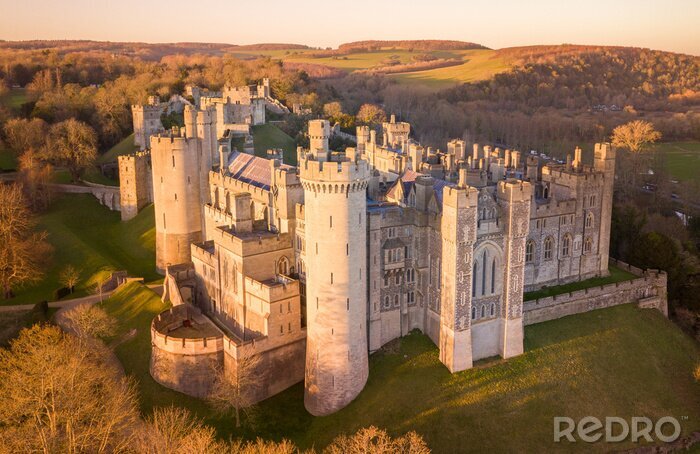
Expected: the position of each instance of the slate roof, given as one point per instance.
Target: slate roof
(251, 169)
(408, 179)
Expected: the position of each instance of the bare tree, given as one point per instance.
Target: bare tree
(173, 430)
(234, 390)
(22, 134)
(23, 251)
(371, 440)
(72, 144)
(58, 394)
(635, 137)
(35, 176)
(89, 320)
(69, 277)
(371, 114)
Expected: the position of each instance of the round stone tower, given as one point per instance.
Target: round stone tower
(336, 280)
(176, 197)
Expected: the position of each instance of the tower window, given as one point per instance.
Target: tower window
(173, 161)
(529, 251)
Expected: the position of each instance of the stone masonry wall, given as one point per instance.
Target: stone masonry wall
(648, 290)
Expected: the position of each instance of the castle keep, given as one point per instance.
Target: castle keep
(312, 267)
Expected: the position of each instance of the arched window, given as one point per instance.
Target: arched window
(476, 267)
(566, 245)
(483, 275)
(493, 309)
(588, 246)
(396, 300)
(589, 220)
(493, 276)
(473, 312)
(548, 246)
(483, 311)
(386, 301)
(529, 251)
(283, 266)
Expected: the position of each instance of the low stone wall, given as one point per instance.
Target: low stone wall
(648, 290)
(108, 196)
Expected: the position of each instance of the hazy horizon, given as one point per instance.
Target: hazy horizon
(496, 24)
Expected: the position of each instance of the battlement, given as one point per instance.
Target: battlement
(134, 156)
(514, 190)
(278, 288)
(460, 197)
(250, 243)
(333, 171)
(166, 336)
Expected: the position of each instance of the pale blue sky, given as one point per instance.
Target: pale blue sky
(672, 25)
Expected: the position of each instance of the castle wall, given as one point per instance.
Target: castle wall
(649, 290)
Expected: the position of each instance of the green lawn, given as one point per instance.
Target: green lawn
(8, 160)
(92, 238)
(14, 98)
(616, 275)
(126, 146)
(635, 362)
(270, 136)
(682, 159)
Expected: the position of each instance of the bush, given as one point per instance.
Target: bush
(60, 293)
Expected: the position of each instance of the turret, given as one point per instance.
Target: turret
(458, 231)
(604, 161)
(319, 133)
(336, 281)
(176, 198)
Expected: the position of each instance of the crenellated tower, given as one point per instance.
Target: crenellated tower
(514, 198)
(336, 276)
(459, 230)
(177, 196)
(604, 161)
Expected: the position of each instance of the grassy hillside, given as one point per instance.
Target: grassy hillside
(634, 361)
(478, 64)
(269, 136)
(126, 146)
(92, 238)
(682, 159)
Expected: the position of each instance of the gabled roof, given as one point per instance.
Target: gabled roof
(251, 169)
(408, 180)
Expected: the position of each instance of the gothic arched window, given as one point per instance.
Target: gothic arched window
(588, 245)
(529, 251)
(566, 245)
(548, 246)
(589, 220)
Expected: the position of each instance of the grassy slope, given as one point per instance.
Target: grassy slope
(126, 146)
(479, 64)
(134, 305)
(616, 275)
(270, 136)
(90, 237)
(682, 159)
(635, 362)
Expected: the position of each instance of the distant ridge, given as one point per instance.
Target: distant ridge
(418, 44)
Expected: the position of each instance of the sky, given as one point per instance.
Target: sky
(671, 25)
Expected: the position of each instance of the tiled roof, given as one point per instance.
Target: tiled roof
(251, 169)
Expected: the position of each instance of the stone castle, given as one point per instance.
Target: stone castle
(314, 266)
